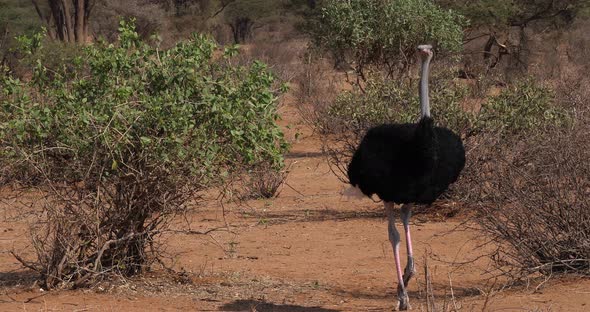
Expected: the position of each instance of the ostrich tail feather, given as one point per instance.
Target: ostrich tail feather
(354, 192)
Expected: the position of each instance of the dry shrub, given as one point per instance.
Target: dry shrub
(533, 191)
(315, 89)
(283, 57)
(263, 182)
(435, 303)
(93, 229)
(535, 204)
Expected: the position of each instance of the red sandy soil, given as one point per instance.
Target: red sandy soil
(310, 249)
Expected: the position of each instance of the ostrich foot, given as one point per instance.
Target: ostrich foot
(409, 271)
(403, 299)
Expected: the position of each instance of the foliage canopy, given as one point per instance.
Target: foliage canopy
(183, 105)
(524, 106)
(385, 33)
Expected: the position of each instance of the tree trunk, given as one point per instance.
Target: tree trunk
(58, 20)
(65, 7)
(87, 11)
(67, 20)
(47, 19)
(79, 23)
(241, 29)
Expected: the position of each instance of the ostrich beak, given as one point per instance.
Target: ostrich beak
(425, 49)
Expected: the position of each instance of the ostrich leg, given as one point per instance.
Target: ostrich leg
(394, 238)
(406, 212)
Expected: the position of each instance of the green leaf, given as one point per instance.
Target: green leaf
(145, 140)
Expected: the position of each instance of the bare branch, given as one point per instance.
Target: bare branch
(224, 4)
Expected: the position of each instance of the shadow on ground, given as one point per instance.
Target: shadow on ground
(292, 155)
(260, 306)
(442, 292)
(315, 215)
(375, 294)
(18, 278)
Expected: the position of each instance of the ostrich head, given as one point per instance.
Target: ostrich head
(425, 52)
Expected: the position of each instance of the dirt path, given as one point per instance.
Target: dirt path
(307, 250)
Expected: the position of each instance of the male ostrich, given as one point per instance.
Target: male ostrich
(407, 164)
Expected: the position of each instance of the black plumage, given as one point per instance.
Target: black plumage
(407, 163)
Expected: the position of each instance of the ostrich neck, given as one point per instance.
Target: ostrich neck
(424, 100)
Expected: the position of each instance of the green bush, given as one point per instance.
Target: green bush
(16, 18)
(123, 142)
(56, 56)
(526, 105)
(503, 14)
(384, 33)
(523, 106)
(385, 101)
(380, 102)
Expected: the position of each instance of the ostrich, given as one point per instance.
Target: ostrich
(407, 164)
